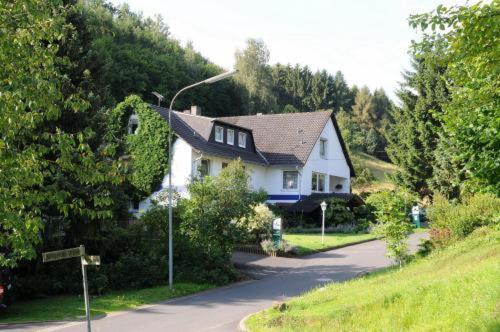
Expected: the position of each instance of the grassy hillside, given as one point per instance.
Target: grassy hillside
(379, 168)
(456, 289)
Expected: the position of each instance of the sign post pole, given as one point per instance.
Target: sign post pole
(85, 260)
(85, 287)
(277, 232)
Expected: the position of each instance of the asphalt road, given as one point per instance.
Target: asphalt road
(275, 279)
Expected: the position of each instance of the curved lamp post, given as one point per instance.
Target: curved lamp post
(170, 249)
(323, 208)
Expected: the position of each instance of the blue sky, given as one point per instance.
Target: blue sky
(367, 40)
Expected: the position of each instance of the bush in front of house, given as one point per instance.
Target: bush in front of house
(257, 226)
(209, 218)
(340, 218)
(450, 221)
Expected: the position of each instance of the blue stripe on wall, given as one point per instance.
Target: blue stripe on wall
(283, 197)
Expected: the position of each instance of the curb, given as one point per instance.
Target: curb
(242, 326)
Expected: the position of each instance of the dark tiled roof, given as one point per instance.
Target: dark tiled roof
(280, 139)
(312, 202)
(288, 139)
(195, 130)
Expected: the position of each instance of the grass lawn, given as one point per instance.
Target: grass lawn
(71, 307)
(455, 289)
(310, 243)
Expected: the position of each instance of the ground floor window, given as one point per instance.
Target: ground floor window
(290, 179)
(318, 182)
(204, 168)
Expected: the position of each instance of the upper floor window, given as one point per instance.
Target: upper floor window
(322, 148)
(133, 124)
(242, 140)
(219, 134)
(318, 182)
(290, 179)
(230, 136)
(204, 168)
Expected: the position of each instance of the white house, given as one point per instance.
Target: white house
(293, 156)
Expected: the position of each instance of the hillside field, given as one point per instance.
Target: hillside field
(380, 169)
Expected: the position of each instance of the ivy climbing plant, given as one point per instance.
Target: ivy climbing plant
(146, 150)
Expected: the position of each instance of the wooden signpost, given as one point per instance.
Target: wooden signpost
(85, 260)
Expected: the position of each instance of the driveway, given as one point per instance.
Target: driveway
(275, 279)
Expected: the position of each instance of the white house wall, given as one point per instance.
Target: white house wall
(334, 163)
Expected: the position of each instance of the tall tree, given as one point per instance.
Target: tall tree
(363, 110)
(343, 97)
(414, 134)
(254, 75)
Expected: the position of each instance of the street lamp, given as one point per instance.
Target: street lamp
(159, 96)
(323, 208)
(170, 249)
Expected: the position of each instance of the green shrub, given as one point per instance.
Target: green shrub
(337, 213)
(209, 218)
(451, 221)
(391, 209)
(258, 225)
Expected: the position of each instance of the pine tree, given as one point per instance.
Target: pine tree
(414, 134)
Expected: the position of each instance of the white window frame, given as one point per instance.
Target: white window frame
(242, 143)
(133, 120)
(285, 184)
(323, 147)
(230, 137)
(219, 134)
(315, 182)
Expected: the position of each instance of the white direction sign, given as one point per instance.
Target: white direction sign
(62, 254)
(277, 224)
(91, 260)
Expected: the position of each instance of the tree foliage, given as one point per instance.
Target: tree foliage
(49, 173)
(471, 118)
(254, 75)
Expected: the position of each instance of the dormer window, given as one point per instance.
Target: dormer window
(242, 140)
(322, 148)
(230, 136)
(133, 124)
(219, 134)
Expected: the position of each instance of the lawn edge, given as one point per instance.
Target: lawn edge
(72, 321)
(315, 251)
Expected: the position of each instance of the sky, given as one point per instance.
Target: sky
(367, 40)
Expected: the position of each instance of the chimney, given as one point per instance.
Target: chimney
(195, 110)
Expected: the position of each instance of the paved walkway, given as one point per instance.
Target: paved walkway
(276, 279)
